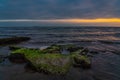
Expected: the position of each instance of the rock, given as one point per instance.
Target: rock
(53, 65)
(94, 52)
(14, 47)
(51, 60)
(53, 49)
(43, 62)
(107, 42)
(72, 48)
(30, 68)
(81, 61)
(13, 40)
(2, 58)
(17, 58)
(116, 52)
(84, 51)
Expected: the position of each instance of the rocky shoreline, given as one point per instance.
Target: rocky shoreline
(51, 60)
(11, 41)
(55, 59)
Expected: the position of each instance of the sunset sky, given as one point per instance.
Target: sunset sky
(60, 12)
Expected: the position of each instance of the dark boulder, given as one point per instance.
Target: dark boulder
(84, 52)
(94, 52)
(13, 40)
(14, 48)
(17, 58)
(2, 58)
(73, 48)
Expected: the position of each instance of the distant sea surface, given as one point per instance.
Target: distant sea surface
(53, 35)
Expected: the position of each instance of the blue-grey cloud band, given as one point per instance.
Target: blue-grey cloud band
(58, 9)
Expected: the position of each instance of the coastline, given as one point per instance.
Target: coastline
(104, 61)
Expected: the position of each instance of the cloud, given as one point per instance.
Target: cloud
(59, 9)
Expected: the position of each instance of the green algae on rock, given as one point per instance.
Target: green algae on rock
(51, 60)
(81, 60)
(72, 48)
(49, 63)
(53, 49)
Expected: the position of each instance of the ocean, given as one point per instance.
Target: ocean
(45, 35)
(105, 40)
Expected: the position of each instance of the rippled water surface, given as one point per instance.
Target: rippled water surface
(62, 34)
(105, 65)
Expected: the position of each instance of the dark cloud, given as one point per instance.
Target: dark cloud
(52, 9)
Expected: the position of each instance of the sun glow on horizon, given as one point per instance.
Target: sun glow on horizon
(97, 20)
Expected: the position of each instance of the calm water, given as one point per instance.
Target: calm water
(44, 35)
(105, 65)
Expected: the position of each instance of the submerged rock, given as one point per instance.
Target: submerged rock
(84, 51)
(13, 40)
(2, 58)
(107, 42)
(72, 48)
(82, 61)
(94, 52)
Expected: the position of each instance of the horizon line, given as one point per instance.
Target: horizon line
(74, 20)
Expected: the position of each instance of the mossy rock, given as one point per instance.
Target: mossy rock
(49, 63)
(84, 51)
(53, 49)
(72, 48)
(2, 58)
(51, 60)
(81, 61)
(52, 63)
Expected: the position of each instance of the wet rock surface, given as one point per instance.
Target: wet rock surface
(13, 40)
(17, 58)
(14, 47)
(1, 58)
(51, 60)
(82, 61)
(105, 66)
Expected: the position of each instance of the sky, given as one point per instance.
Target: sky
(60, 12)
